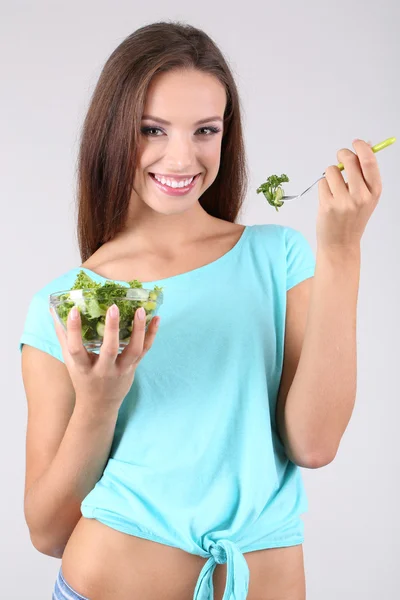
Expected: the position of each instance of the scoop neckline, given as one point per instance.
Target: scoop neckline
(186, 274)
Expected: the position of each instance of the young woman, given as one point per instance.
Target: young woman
(172, 470)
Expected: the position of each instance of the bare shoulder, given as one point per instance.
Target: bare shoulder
(225, 230)
(233, 228)
(101, 256)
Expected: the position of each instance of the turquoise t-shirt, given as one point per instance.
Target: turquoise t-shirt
(196, 460)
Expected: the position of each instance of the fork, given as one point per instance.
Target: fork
(375, 148)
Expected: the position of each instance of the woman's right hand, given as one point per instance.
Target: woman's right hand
(104, 380)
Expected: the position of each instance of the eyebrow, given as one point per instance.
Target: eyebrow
(164, 122)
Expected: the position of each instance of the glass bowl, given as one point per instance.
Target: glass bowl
(93, 312)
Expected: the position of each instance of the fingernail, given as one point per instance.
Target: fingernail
(74, 313)
(114, 310)
(141, 313)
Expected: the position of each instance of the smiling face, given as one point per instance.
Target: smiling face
(181, 147)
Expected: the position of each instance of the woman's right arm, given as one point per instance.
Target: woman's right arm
(67, 448)
(72, 413)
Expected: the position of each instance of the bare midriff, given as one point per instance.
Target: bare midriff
(102, 563)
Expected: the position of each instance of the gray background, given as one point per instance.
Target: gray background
(312, 77)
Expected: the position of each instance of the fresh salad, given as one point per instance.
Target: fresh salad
(93, 299)
(273, 191)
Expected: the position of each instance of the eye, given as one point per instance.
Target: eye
(146, 131)
(212, 129)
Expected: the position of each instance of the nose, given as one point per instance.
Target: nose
(180, 154)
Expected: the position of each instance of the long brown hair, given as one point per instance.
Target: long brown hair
(110, 134)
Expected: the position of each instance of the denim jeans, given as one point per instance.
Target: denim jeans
(63, 591)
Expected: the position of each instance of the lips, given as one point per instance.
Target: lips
(178, 191)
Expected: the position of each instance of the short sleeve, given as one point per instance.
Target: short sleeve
(39, 330)
(300, 259)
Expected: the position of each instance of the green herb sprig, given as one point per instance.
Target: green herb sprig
(273, 191)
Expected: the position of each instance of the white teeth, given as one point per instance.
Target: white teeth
(172, 183)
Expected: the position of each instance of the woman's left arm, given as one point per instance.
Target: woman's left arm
(315, 411)
(319, 378)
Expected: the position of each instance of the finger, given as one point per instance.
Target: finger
(356, 184)
(110, 346)
(74, 344)
(336, 183)
(71, 340)
(369, 167)
(150, 335)
(61, 335)
(134, 350)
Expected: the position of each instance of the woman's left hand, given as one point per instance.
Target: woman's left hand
(345, 208)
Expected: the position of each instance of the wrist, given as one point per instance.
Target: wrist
(340, 253)
(88, 412)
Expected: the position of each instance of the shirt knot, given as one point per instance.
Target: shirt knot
(218, 552)
(237, 578)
